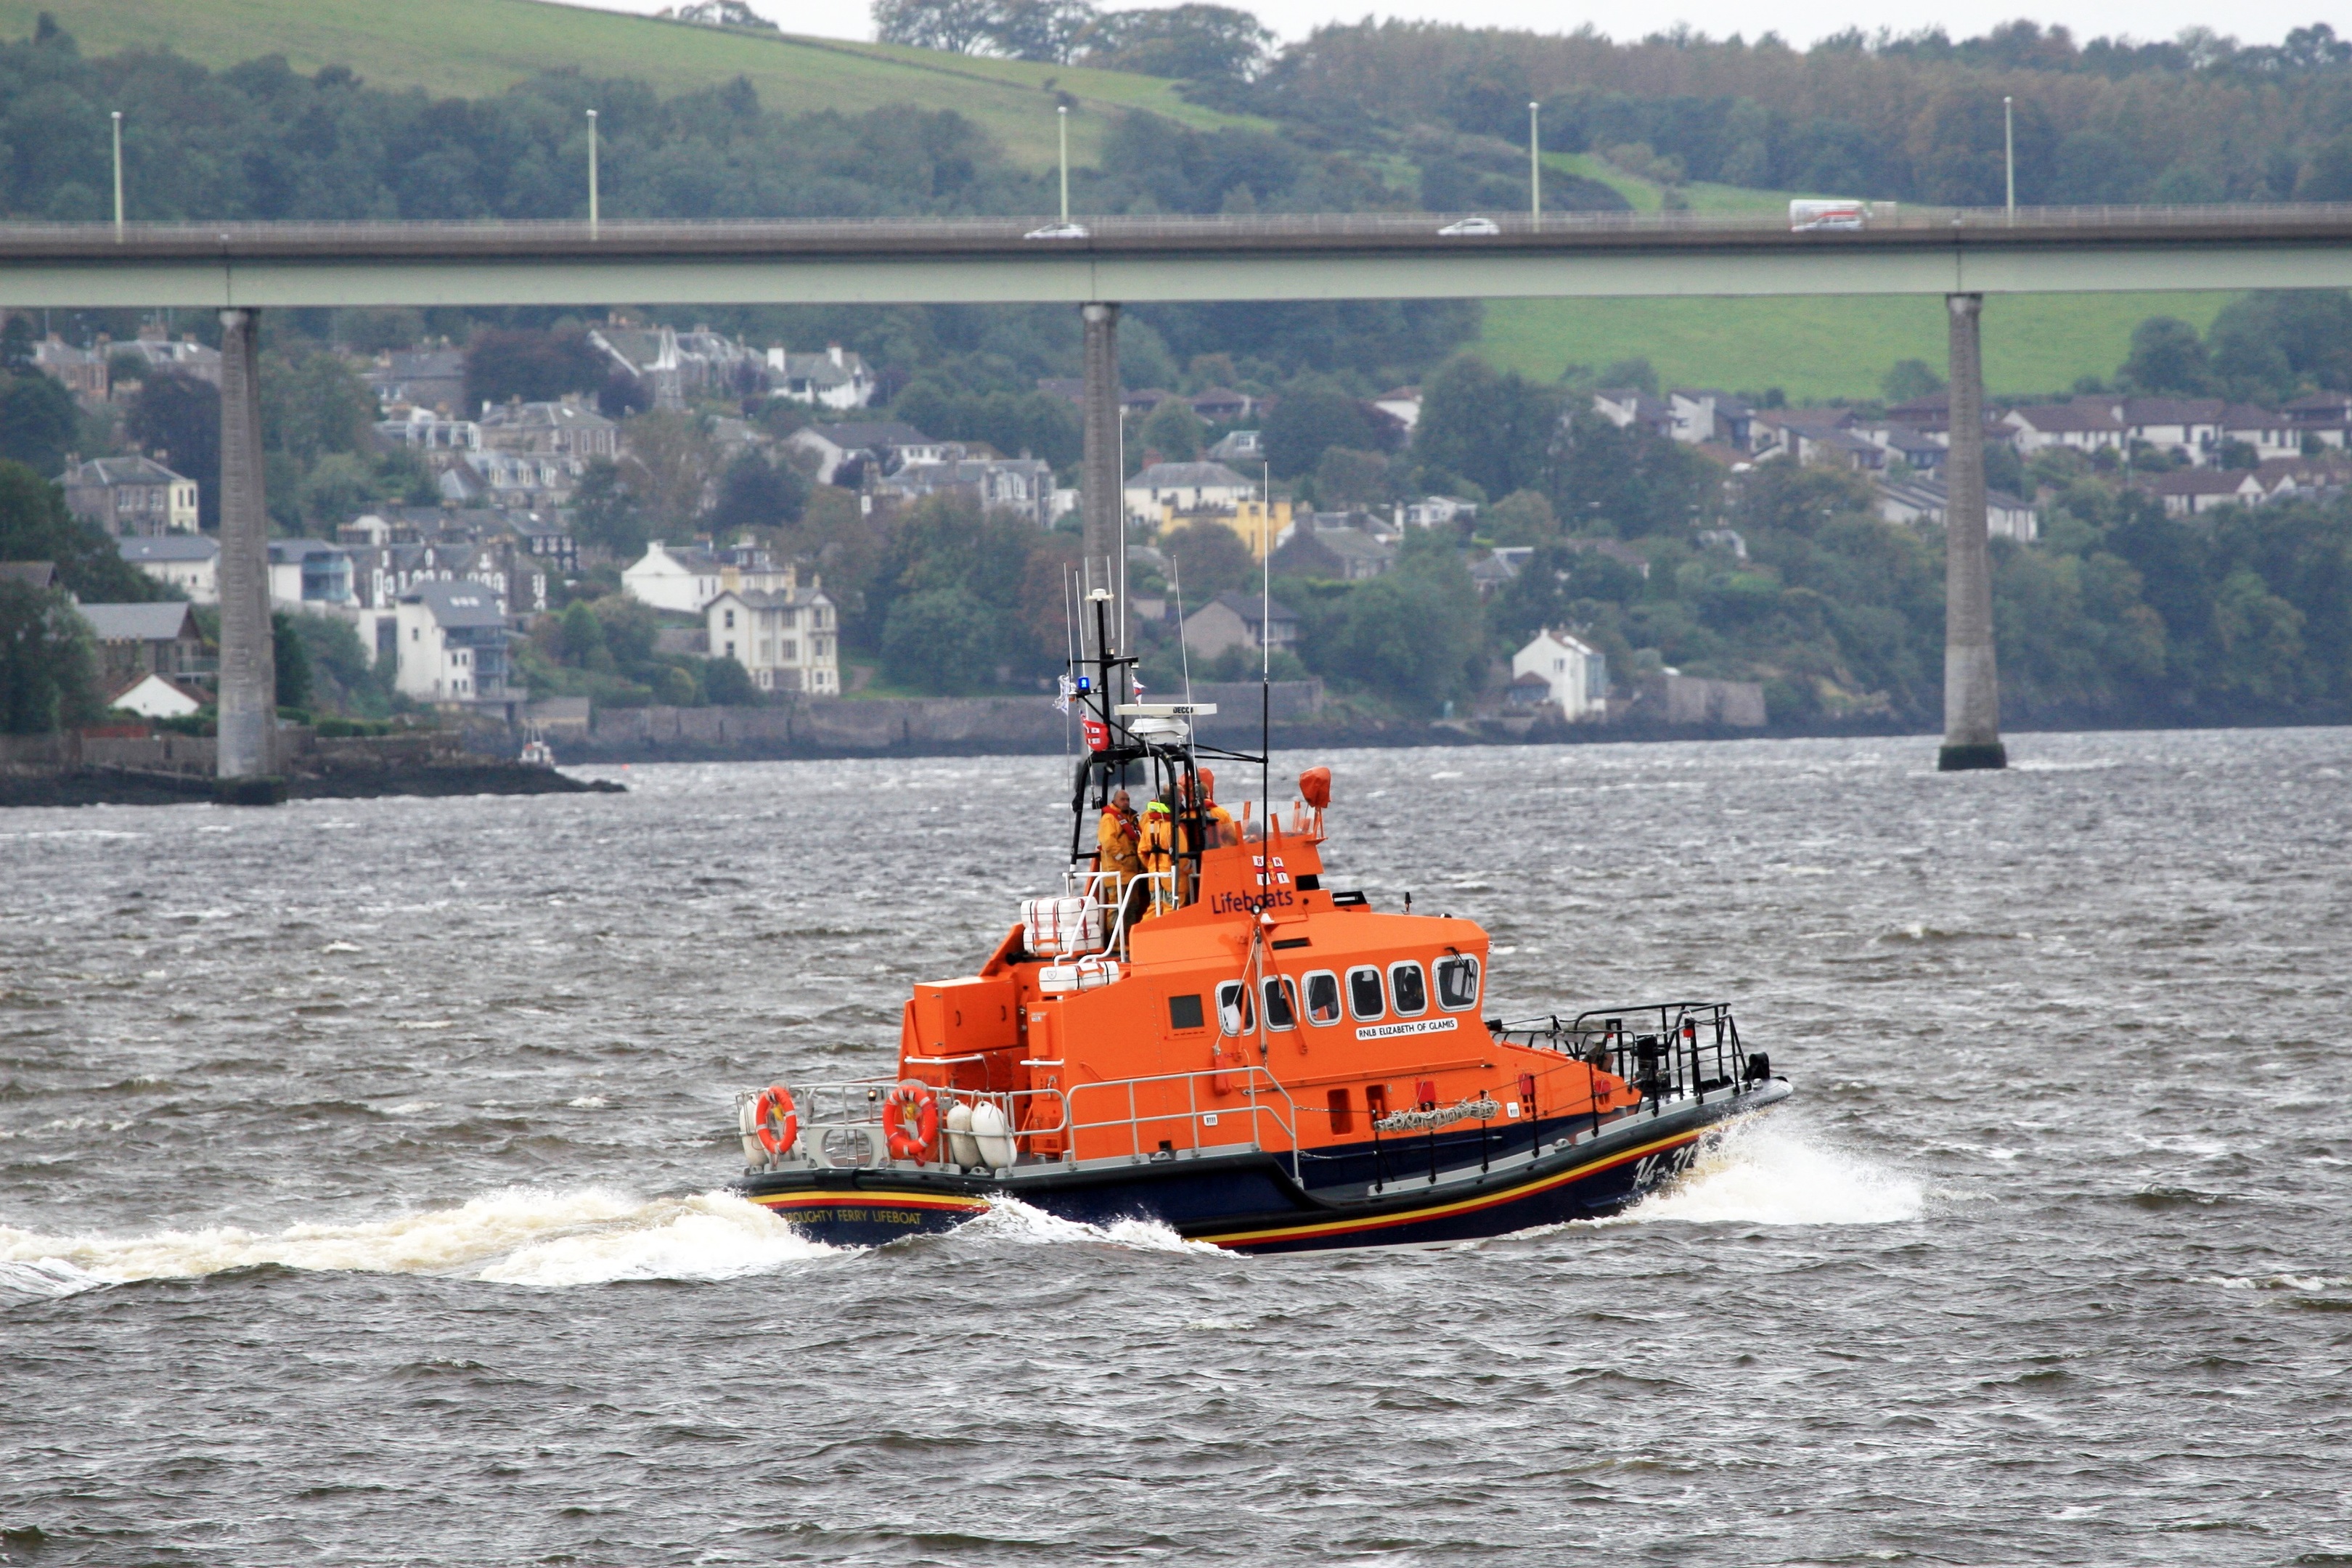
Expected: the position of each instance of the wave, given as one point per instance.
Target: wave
(519, 1237)
(1760, 1173)
(1009, 1219)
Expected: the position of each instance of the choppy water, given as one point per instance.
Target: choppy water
(359, 1167)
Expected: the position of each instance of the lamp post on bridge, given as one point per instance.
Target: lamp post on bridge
(592, 215)
(1534, 165)
(118, 176)
(1062, 123)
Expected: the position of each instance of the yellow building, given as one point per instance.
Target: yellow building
(1247, 518)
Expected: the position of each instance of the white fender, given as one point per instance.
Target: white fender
(962, 1147)
(991, 1132)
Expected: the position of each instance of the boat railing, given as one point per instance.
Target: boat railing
(1666, 1050)
(843, 1125)
(1113, 896)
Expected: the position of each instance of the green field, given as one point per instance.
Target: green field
(1817, 348)
(472, 48)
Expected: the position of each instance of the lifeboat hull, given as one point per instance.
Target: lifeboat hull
(1251, 1202)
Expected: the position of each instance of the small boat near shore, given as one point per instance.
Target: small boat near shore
(1228, 1045)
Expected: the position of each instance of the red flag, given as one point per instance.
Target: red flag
(1097, 732)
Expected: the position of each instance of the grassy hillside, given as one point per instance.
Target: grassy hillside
(472, 48)
(1823, 348)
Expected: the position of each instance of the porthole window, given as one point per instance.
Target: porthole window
(1322, 997)
(1234, 1015)
(1364, 1001)
(1281, 1003)
(1408, 989)
(1457, 983)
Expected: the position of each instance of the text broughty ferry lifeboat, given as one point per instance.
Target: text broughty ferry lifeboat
(1227, 1045)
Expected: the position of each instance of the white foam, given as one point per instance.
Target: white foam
(520, 1235)
(45, 1278)
(1759, 1172)
(1010, 1219)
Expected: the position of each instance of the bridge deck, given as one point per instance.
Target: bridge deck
(1306, 256)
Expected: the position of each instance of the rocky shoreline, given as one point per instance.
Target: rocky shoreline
(107, 785)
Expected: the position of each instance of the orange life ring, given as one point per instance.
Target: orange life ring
(910, 1120)
(776, 1121)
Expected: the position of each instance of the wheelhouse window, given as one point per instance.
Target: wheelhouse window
(1365, 1003)
(1408, 989)
(1281, 1003)
(1457, 982)
(1184, 1012)
(1234, 1015)
(1322, 997)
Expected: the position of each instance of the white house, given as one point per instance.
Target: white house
(425, 431)
(834, 379)
(188, 562)
(131, 495)
(1576, 672)
(787, 640)
(1401, 403)
(453, 643)
(1186, 486)
(152, 697)
(1434, 511)
(305, 574)
(889, 443)
(2079, 427)
(1918, 501)
(685, 579)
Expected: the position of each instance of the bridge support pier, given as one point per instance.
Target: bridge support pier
(1104, 479)
(248, 666)
(1971, 683)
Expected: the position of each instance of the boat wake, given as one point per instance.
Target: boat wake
(1009, 1220)
(1759, 1172)
(522, 1236)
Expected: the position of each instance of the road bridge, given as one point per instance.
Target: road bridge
(1139, 260)
(1963, 256)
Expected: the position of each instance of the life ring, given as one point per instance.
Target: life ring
(910, 1120)
(775, 1122)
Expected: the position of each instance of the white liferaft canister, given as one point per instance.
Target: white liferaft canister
(1060, 926)
(962, 1147)
(1086, 974)
(753, 1150)
(991, 1135)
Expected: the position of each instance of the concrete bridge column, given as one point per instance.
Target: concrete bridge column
(248, 666)
(1971, 684)
(1100, 498)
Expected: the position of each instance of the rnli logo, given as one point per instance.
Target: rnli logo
(1417, 1027)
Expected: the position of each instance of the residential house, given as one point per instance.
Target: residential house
(152, 696)
(547, 539)
(2272, 435)
(41, 576)
(1492, 571)
(1068, 388)
(837, 378)
(1575, 675)
(2186, 492)
(1141, 405)
(452, 639)
(567, 427)
(2325, 417)
(1023, 485)
(130, 496)
(1782, 432)
(1238, 620)
(1704, 414)
(164, 355)
(1334, 555)
(1834, 448)
(429, 378)
(2187, 426)
(148, 639)
(1624, 555)
(309, 574)
(1252, 522)
(1920, 451)
(1244, 446)
(83, 371)
(188, 562)
(673, 366)
(1627, 407)
(1436, 511)
(2087, 426)
(786, 638)
(1401, 403)
(1222, 404)
(877, 446)
(511, 480)
(422, 430)
(687, 578)
(1186, 488)
(1920, 500)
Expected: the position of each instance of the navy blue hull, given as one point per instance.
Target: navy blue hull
(1250, 1201)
